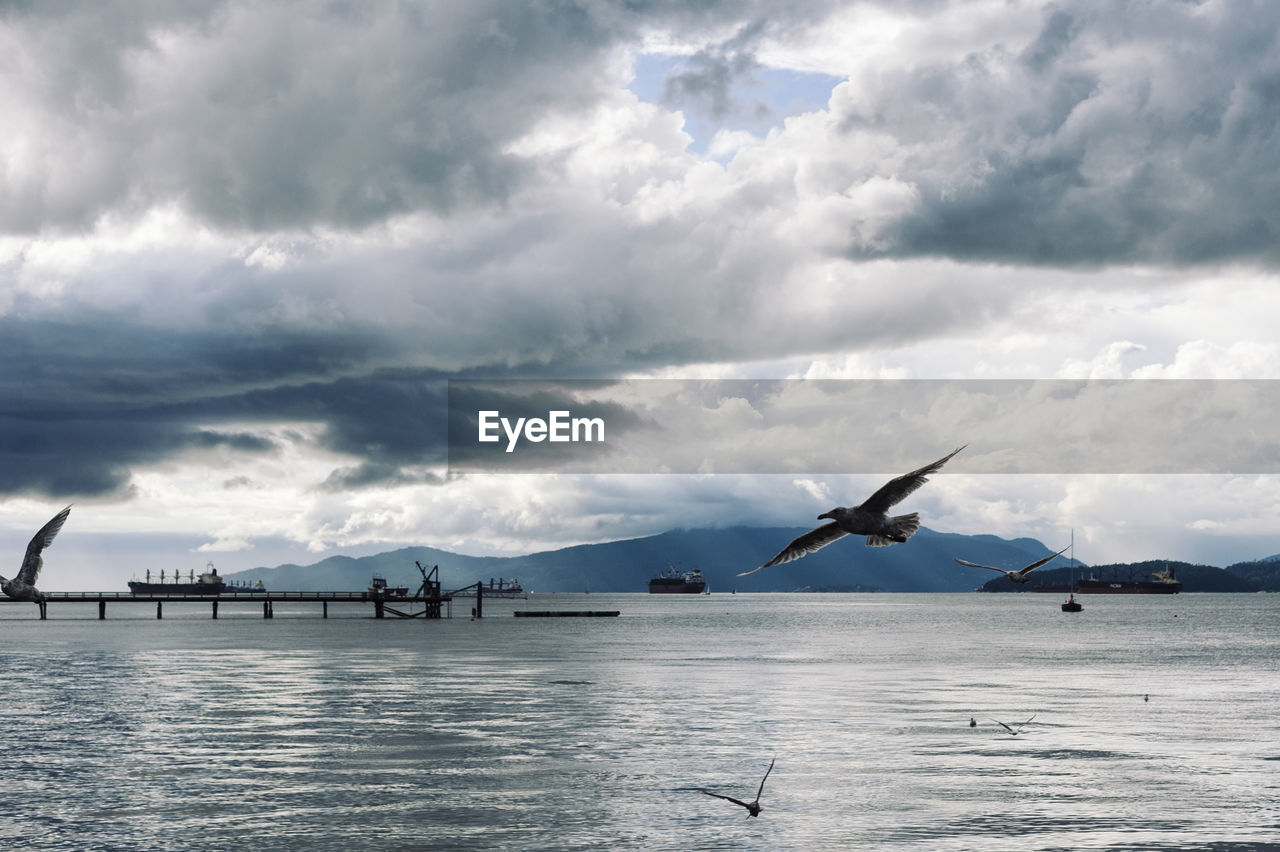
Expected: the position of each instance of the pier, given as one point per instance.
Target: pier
(427, 602)
(439, 606)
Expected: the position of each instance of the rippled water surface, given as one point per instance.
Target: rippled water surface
(514, 733)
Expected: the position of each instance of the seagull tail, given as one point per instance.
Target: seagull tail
(899, 529)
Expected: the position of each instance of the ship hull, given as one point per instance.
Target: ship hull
(140, 588)
(678, 588)
(1127, 587)
(502, 589)
(176, 588)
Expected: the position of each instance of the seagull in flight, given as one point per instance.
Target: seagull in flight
(753, 808)
(1019, 576)
(870, 519)
(1011, 731)
(22, 587)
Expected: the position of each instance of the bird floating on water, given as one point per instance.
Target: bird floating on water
(1019, 576)
(22, 587)
(1011, 731)
(870, 519)
(753, 808)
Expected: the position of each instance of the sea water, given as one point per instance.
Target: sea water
(1156, 725)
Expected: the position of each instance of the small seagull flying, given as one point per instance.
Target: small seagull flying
(753, 808)
(870, 519)
(1011, 731)
(1019, 576)
(22, 587)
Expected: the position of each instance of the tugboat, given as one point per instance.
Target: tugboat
(208, 583)
(673, 582)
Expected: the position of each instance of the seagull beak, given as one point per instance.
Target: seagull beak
(826, 515)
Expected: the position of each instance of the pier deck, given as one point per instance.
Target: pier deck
(437, 606)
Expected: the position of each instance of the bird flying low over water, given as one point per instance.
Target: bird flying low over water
(1011, 731)
(1019, 576)
(870, 519)
(753, 808)
(22, 587)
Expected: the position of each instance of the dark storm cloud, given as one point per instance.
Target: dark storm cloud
(1122, 133)
(286, 114)
(296, 114)
(94, 452)
(83, 404)
(370, 474)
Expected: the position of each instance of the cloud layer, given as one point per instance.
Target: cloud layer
(243, 247)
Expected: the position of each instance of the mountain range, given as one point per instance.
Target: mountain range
(923, 564)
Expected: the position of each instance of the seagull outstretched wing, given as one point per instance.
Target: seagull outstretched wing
(815, 539)
(1022, 571)
(765, 778)
(896, 489)
(726, 798)
(1034, 565)
(32, 563)
(976, 565)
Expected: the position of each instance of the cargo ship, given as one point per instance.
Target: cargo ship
(500, 588)
(1159, 583)
(208, 583)
(673, 582)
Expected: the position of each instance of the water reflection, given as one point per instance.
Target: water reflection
(576, 734)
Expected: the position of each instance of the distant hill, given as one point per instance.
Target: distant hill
(1195, 578)
(1263, 574)
(923, 564)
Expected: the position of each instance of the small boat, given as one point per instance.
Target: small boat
(673, 582)
(1071, 604)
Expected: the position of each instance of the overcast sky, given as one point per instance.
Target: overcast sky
(244, 247)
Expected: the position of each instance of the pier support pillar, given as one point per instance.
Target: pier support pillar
(159, 609)
(44, 613)
(102, 610)
(266, 610)
(215, 610)
(326, 609)
(378, 610)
